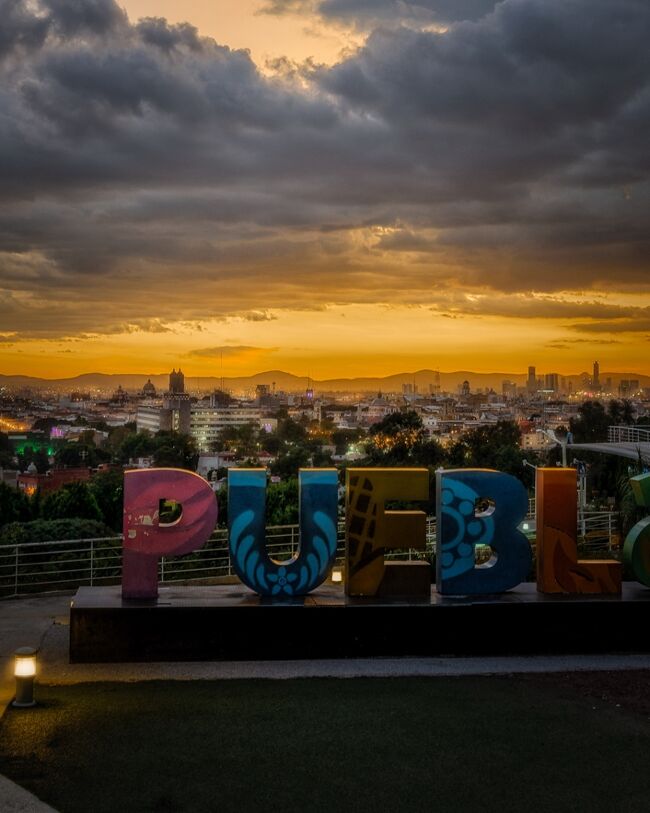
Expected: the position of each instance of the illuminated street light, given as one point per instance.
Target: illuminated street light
(24, 672)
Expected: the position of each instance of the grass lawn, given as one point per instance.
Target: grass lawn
(412, 744)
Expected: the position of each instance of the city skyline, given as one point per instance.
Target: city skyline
(530, 383)
(367, 189)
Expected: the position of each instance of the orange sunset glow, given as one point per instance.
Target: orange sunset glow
(330, 189)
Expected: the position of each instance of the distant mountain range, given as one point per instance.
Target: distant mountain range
(422, 379)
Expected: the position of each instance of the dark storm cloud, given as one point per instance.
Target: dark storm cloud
(508, 152)
(20, 28)
(365, 13)
(157, 31)
(70, 17)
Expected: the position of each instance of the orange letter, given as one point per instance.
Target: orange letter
(558, 568)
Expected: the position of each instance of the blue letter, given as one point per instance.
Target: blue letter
(247, 537)
(460, 526)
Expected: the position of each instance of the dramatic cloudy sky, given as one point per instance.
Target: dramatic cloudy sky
(333, 187)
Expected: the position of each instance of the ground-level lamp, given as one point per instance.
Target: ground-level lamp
(337, 575)
(24, 672)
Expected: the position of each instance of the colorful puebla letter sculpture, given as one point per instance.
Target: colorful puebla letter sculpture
(247, 532)
(371, 530)
(636, 550)
(480, 507)
(146, 539)
(558, 567)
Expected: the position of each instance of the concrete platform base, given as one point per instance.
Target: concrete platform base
(231, 623)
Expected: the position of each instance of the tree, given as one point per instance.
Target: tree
(627, 412)
(18, 533)
(74, 500)
(491, 447)
(591, 423)
(396, 423)
(400, 439)
(175, 450)
(134, 445)
(282, 503)
(343, 438)
(6, 453)
(14, 505)
(241, 439)
(79, 454)
(107, 487)
(289, 431)
(287, 465)
(270, 443)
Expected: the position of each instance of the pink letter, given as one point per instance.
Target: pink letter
(146, 540)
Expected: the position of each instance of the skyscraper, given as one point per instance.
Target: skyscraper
(531, 383)
(596, 376)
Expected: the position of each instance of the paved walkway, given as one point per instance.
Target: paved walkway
(43, 623)
(14, 799)
(24, 622)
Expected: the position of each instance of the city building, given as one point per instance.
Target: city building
(628, 387)
(174, 413)
(531, 381)
(552, 382)
(149, 390)
(31, 481)
(207, 422)
(509, 389)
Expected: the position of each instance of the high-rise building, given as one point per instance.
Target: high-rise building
(531, 382)
(595, 380)
(552, 382)
(628, 387)
(206, 423)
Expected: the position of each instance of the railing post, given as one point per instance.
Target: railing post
(16, 573)
(92, 560)
(162, 569)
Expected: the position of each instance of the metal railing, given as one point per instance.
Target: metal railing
(40, 567)
(599, 529)
(628, 434)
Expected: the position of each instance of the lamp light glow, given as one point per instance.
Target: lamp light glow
(25, 667)
(337, 575)
(24, 672)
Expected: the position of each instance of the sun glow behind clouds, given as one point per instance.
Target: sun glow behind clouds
(334, 342)
(409, 205)
(240, 24)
